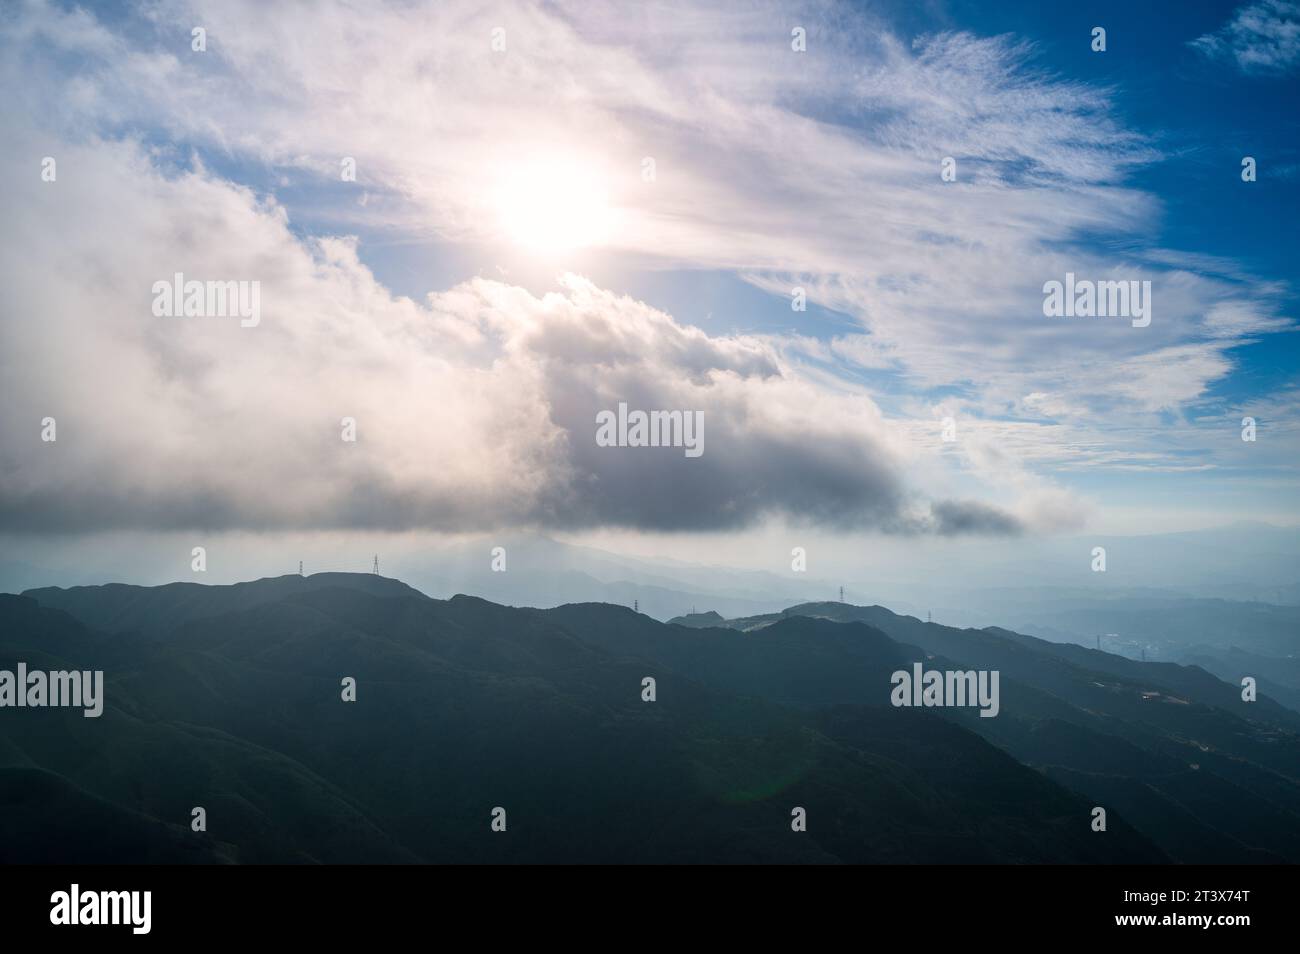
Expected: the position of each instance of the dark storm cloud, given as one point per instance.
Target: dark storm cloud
(957, 517)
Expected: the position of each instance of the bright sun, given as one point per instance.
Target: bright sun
(553, 205)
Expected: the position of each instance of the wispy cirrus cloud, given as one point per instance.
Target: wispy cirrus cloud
(1262, 38)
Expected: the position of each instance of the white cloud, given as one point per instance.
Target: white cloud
(475, 410)
(819, 169)
(1261, 38)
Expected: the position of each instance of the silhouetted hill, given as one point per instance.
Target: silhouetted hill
(229, 698)
(698, 620)
(1153, 738)
(104, 833)
(120, 607)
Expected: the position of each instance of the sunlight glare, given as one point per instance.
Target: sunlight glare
(553, 205)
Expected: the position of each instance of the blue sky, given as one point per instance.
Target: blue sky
(1204, 116)
(442, 299)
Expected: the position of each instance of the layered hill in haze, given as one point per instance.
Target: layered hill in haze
(229, 698)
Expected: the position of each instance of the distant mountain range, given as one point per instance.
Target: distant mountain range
(228, 697)
(1041, 586)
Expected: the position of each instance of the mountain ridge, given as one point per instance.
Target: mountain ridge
(747, 723)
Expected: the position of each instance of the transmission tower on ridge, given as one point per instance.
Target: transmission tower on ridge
(300, 568)
(841, 594)
(375, 571)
